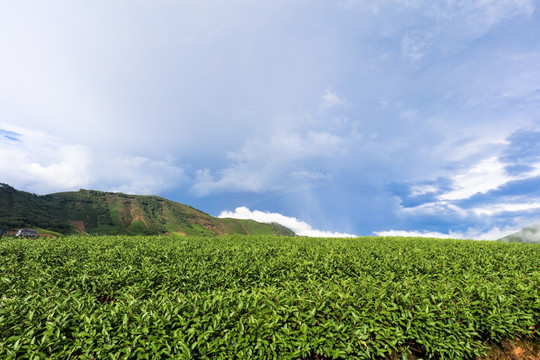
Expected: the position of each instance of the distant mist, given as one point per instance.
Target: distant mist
(527, 235)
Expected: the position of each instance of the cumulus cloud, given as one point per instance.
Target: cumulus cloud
(41, 163)
(299, 227)
(137, 174)
(56, 168)
(267, 164)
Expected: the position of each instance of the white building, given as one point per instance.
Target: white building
(26, 232)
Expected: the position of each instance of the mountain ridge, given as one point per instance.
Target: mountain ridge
(112, 213)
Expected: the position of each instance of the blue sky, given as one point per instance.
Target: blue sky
(334, 117)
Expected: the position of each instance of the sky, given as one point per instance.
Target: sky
(333, 117)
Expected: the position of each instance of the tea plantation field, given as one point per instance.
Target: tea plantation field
(262, 297)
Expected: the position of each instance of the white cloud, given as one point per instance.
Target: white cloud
(41, 163)
(238, 177)
(482, 177)
(492, 199)
(439, 208)
(499, 208)
(37, 158)
(418, 190)
(473, 234)
(299, 227)
(488, 174)
(63, 167)
(262, 165)
(137, 174)
(500, 217)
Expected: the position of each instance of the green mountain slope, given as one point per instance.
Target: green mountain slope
(529, 235)
(97, 212)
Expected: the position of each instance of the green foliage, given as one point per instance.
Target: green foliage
(20, 209)
(281, 230)
(263, 297)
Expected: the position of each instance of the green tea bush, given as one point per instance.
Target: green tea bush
(241, 297)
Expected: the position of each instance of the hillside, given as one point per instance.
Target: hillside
(97, 212)
(529, 235)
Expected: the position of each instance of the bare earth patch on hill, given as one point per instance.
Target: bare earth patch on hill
(79, 224)
(137, 214)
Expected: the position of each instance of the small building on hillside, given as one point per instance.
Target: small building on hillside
(26, 232)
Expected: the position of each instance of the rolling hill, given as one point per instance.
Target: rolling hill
(529, 235)
(97, 212)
